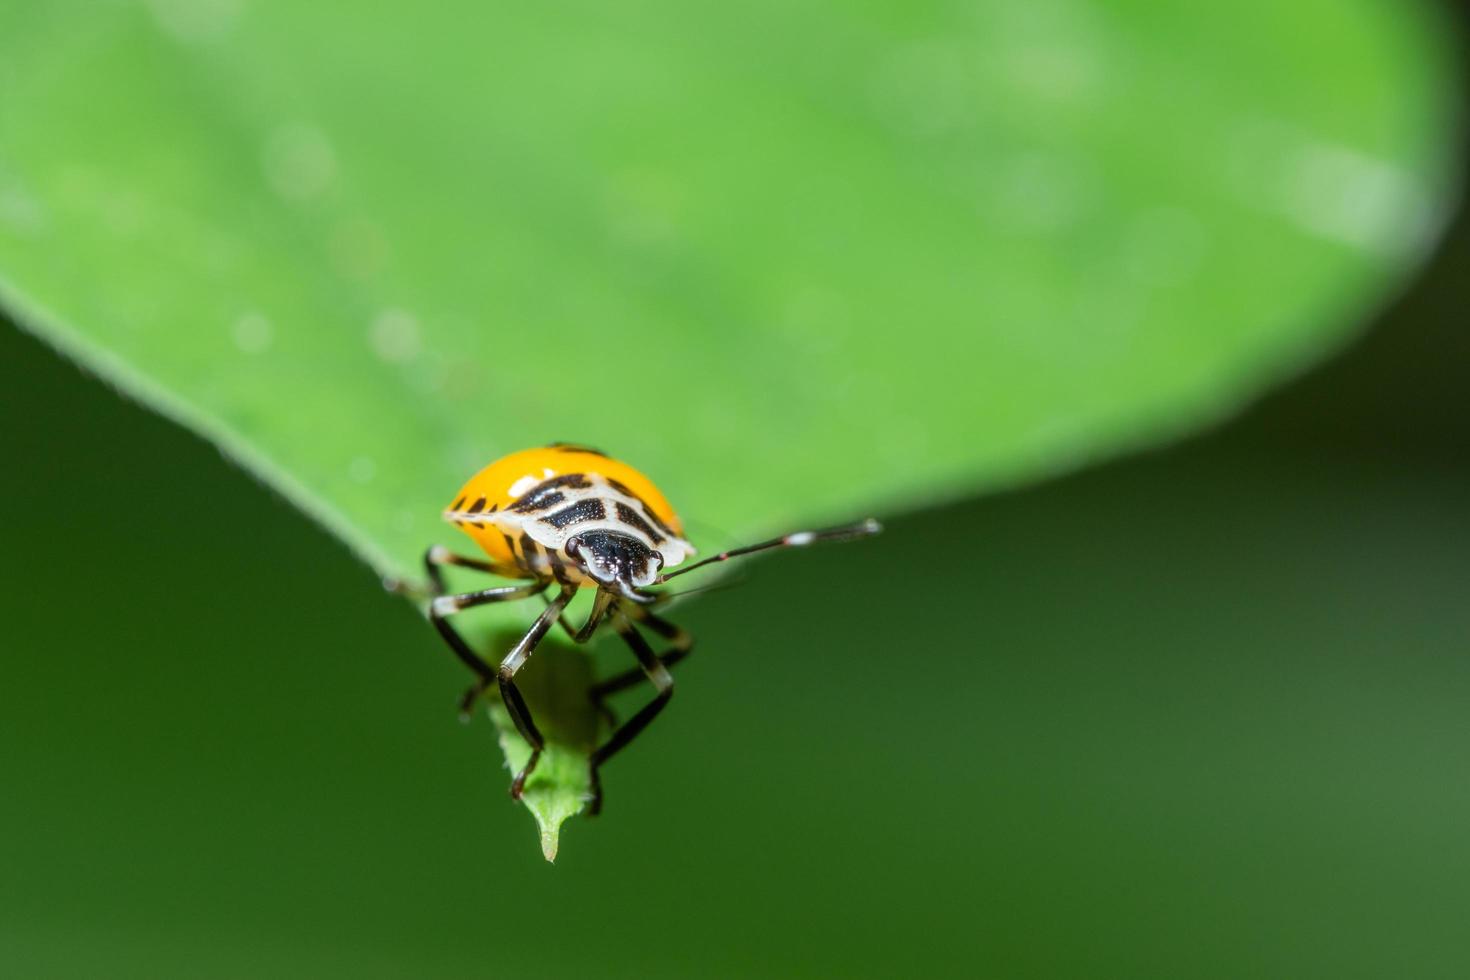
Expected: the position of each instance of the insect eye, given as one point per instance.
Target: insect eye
(573, 546)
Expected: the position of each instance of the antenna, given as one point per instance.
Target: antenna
(796, 539)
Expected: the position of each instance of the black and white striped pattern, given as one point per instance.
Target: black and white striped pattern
(601, 514)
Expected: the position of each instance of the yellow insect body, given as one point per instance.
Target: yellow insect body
(532, 510)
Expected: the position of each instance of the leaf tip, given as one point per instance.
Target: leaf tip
(551, 808)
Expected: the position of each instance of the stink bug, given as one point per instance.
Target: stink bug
(574, 518)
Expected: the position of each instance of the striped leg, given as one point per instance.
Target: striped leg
(605, 600)
(442, 606)
(514, 703)
(653, 668)
(438, 556)
(681, 643)
(434, 560)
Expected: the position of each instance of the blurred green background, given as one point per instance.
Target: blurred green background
(1199, 713)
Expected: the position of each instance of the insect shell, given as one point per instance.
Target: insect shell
(574, 515)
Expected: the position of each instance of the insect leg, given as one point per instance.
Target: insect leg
(585, 633)
(600, 606)
(653, 668)
(514, 703)
(681, 642)
(438, 556)
(443, 606)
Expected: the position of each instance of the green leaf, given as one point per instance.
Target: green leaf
(556, 693)
(796, 261)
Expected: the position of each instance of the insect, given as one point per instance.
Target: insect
(573, 518)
